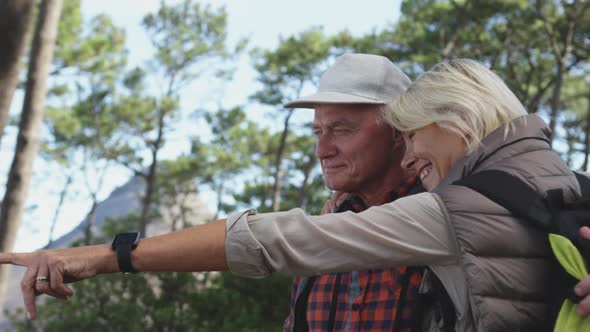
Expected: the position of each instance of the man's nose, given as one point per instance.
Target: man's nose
(325, 148)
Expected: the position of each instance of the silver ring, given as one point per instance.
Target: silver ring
(42, 279)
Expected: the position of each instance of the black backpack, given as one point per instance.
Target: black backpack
(549, 213)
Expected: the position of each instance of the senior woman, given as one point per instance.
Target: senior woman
(460, 119)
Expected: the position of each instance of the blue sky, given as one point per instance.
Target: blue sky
(263, 21)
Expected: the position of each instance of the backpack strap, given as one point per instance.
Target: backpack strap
(550, 214)
(576, 215)
(300, 310)
(511, 193)
(584, 182)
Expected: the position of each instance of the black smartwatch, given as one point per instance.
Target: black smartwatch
(123, 244)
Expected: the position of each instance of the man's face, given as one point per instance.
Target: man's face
(356, 149)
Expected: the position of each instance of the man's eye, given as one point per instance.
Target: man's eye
(411, 135)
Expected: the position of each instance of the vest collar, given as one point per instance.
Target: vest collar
(496, 144)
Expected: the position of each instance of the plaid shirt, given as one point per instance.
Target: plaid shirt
(366, 300)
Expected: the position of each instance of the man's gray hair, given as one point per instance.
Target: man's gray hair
(384, 111)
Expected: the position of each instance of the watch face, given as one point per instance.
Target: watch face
(126, 238)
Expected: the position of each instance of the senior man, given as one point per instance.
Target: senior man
(360, 155)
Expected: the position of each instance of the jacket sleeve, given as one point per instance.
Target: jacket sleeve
(409, 231)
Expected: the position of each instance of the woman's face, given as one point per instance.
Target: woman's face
(431, 152)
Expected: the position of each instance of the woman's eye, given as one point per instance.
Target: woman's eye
(411, 135)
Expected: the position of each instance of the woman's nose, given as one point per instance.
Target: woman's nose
(409, 161)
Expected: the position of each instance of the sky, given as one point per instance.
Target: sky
(264, 22)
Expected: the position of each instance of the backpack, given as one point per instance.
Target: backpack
(561, 222)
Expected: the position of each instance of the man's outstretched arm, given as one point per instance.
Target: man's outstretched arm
(411, 230)
(200, 248)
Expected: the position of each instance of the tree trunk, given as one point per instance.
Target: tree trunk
(219, 192)
(174, 219)
(561, 55)
(62, 197)
(150, 179)
(459, 24)
(555, 99)
(27, 144)
(184, 209)
(587, 138)
(570, 141)
(302, 202)
(276, 190)
(90, 221)
(15, 20)
(450, 45)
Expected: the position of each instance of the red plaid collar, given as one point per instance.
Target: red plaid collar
(356, 204)
(375, 308)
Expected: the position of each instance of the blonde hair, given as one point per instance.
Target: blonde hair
(460, 95)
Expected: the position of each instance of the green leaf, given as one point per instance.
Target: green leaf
(569, 320)
(568, 256)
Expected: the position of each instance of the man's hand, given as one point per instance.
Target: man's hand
(583, 287)
(49, 270)
(332, 204)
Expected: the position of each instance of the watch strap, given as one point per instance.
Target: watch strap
(124, 258)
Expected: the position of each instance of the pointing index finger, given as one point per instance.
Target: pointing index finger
(13, 258)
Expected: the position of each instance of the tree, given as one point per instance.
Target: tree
(532, 47)
(80, 125)
(284, 73)
(432, 31)
(576, 119)
(29, 126)
(188, 40)
(507, 35)
(560, 23)
(237, 147)
(15, 20)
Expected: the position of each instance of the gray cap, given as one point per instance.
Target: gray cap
(357, 79)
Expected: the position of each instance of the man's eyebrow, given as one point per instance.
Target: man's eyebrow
(337, 123)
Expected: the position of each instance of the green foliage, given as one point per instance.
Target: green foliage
(285, 71)
(69, 30)
(576, 120)
(188, 39)
(252, 304)
(77, 116)
(95, 48)
(237, 147)
(184, 35)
